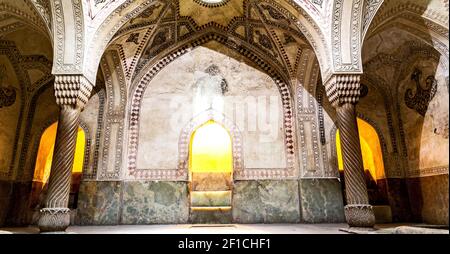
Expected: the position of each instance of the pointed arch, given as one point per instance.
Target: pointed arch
(44, 155)
(198, 121)
(110, 20)
(377, 136)
(140, 84)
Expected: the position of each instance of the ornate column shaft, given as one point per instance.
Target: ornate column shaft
(72, 93)
(343, 92)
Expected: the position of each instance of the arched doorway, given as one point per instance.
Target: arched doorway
(44, 163)
(372, 155)
(210, 174)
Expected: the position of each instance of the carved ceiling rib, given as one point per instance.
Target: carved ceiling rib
(262, 27)
(22, 18)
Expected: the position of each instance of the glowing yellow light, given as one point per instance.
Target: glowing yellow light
(370, 149)
(210, 149)
(45, 154)
(79, 152)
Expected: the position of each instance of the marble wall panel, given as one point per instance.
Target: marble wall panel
(266, 202)
(321, 201)
(155, 203)
(98, 203)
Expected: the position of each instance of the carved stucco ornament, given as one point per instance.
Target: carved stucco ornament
(423, 96)
(7, 93)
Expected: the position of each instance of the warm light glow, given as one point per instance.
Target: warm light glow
(210, 149)
(370, 149)
(212, 1)
(45, 154)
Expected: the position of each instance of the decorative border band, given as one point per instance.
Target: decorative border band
(423, 172)
(211, 5)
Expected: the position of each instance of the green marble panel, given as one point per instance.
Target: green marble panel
(155, 203)
(98, 203)
(321, 201)
(266, 201)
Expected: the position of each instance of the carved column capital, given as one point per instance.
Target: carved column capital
(72, 90)
(343, 88)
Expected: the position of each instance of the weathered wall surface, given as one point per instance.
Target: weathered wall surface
(5, 194)
(24, 74)
(429, 199)
(184, 89)
(426, 121)
(423, 99)
(322, 201)
(89, 119)
(155, 203)
(266, 202)
(414, 79)
(132, 202)
(99, 203)
(9, 115)
(45, 113)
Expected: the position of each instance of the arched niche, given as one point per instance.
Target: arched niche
(43, 164)
(186, 61)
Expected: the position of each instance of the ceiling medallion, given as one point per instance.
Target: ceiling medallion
(212, 3)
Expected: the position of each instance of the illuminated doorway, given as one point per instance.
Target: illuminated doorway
(211, 174)
(44, 163)
(372, 156)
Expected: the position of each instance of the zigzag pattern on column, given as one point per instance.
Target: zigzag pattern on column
(72, 90)
(343, 88)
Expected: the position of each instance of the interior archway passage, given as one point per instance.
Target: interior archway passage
(211, 174)
(44, 163)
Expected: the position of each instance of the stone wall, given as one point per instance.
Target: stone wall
(5, 194)
(44, 114)
(429, 199)
(10, 108)
(132, 202)
(155, 203)
(9, 114)
(426, 121)
(414, 80)
(99, 203)
(89, 119)
(150, 202)
(266, 202)
(25, 65)
(185, 89)
(321, 201)
(423, 98)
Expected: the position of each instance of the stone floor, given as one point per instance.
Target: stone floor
(195, 229)
(240, 229)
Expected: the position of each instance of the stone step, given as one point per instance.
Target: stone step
(210, 198)
(211, 181)
(211, 215)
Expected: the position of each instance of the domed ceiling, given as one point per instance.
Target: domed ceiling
(263, 26)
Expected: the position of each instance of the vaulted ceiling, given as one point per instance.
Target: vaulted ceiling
(17, 14)
(25, 49)
(263, 26)
(266, 26)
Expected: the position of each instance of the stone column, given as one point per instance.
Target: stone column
(72, 93)
(343, 93)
